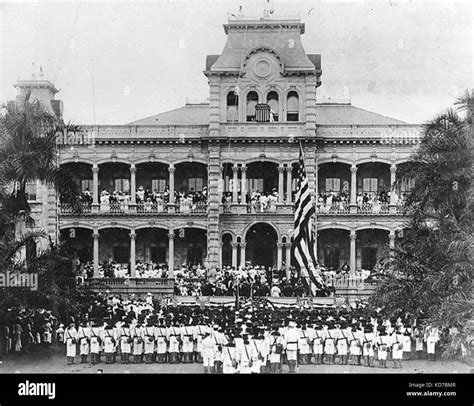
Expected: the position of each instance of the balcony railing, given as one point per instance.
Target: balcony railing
(140, 208)
(335, 208)
(263, 130)
(193, 208)
(349, 282)
(67, 208)
(151, 208)
(368, 208)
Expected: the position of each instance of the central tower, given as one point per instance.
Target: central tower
(263, 74)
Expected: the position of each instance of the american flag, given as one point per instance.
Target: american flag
(168, 301)
(305, 302)
(303, 242)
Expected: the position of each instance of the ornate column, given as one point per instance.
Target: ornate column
(235, 181)
(243, 186)
(279, 255)
(353, 201)
(281, 192)
(393, 177)
(289, 180)
(171, 170)
(95, 236)
(213, 199)
(234, 254)
(220, 254)
(288, 259)
(391, 239)
(133, 236)
(242, 254)
(95, 187)
(133, 184)
(171, 254)
(352, 255)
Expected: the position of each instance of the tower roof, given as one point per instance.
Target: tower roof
(36, 84)
(282, 37)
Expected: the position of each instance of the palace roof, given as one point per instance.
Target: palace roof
(326, 114)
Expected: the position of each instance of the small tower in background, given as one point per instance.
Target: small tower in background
(42, 90)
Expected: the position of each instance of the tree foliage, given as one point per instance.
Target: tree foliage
(432, 265)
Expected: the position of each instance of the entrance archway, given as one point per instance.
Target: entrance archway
(261, 248)
(190, 246)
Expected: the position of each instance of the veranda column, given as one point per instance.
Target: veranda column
(279, 255)
(95, 186)
(242, 254)
(133, 237)
(133, 184)
(171, 170)
(281, 193)
(353, 202)
(288, 259)
(235, 180)
(391, 239)
(243, 186)
(352, 252)
(234, 254)
(393, 177)
(220, 255)
(171, 254)
(95, 236)
(289, 185)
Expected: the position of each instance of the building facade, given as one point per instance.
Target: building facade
(241, 151)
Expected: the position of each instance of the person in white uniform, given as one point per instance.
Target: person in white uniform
(83, 335)
(70, 339)
(125, 340)
(229, 356)
(96, 342)
(207, 352)
(244, 358)
(292, 339)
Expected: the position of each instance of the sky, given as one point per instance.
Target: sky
(119, 61)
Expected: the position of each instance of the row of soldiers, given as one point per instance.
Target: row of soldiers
(249, 341)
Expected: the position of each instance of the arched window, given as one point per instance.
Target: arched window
(292, 107)
(252, 100)
(272, 101)
(232, 106)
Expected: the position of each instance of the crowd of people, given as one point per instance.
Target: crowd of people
(256, 338)
(256, 201)
(196, 280)
(147, 200)
(330, 201)
(247, 281)
(24, 330)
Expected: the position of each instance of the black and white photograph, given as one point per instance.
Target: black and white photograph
(236, 187)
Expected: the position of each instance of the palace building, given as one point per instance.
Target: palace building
(213, 183)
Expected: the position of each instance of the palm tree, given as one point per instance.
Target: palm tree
(28, 153)
(432, 266)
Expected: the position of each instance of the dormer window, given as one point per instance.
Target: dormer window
(252, 101)
(232, 106)
(272, 101)
(292, 106)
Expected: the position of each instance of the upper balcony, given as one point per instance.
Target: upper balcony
(387, 134)
(92, 134)
(263, 130)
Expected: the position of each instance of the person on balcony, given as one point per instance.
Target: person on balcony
(272, 201)
(140, 194)
(105, 200)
